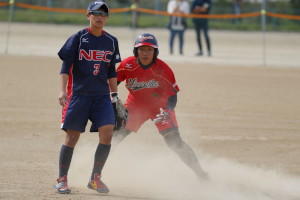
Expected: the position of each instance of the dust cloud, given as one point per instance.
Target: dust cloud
(142, 167)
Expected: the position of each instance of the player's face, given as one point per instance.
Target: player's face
(97, 19)
(145, 54)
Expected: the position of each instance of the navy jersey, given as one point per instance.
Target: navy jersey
(90, 61)
(201, 3)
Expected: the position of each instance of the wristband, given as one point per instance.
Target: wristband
(114, 97)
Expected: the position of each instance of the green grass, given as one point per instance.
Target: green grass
(146, 20)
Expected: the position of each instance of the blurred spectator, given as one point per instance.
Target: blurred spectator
(237, 10)
(135, 14)
(177, 24)
(201, 7)
(296, 8)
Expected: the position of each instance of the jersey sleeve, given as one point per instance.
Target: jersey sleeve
(116, 58)
(65, 67)
(171, 77)
(112, 71)
(120, 72)
(68, 53)
(69, 50)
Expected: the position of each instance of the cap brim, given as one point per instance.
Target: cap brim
(146, 44)
(98, 6)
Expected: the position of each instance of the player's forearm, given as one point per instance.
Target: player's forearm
(113, 86)
(63, 82)
(172, 101)
(200, 9)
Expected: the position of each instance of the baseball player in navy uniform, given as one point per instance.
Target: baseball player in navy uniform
(88, 80)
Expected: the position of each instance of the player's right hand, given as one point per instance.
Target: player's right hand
(162, 116)
(62, 98)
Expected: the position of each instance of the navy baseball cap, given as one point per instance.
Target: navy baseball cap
(96, 5)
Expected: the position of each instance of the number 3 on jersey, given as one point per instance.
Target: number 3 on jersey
(96, 69)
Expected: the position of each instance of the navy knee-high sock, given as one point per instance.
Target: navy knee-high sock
(101, 155)
(65, 158)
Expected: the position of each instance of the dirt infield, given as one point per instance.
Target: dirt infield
(243, 123)
(229, 48)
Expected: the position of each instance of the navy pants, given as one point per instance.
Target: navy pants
(173, 34)
(202, 26)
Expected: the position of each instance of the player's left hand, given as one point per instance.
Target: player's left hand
(62, 98)
(120, 111)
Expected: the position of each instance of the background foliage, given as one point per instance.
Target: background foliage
(146, 20)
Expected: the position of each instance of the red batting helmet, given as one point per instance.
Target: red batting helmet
(145, 39)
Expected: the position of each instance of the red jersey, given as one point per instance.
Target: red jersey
(149, 87)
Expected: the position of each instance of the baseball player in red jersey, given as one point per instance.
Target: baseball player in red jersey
(153, 95)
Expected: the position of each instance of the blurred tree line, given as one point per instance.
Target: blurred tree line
(219, 6)
(296, 6)
(133, 19)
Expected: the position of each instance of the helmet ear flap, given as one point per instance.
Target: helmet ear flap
(156, 52)
(135, 53)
